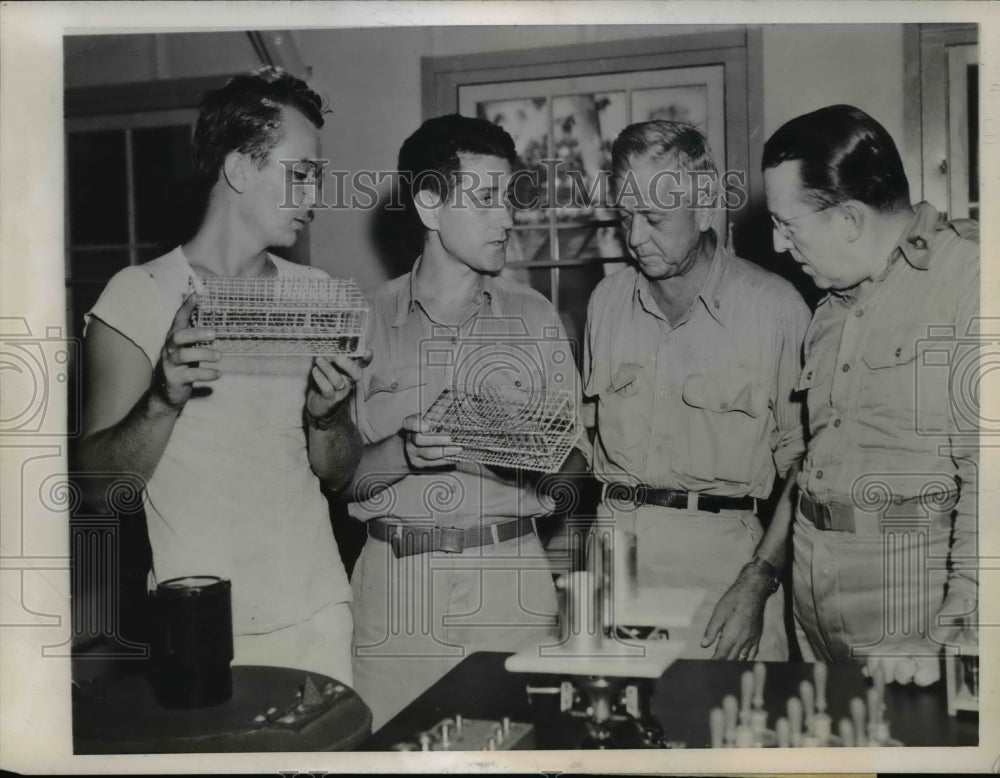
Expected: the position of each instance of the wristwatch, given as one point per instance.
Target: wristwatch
(769, 570)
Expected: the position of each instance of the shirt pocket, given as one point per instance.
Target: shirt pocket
(892, 349)
(623, 423)
(391, 397)
(816, 379)
(725, 417)
(895, 383)
(812, 371)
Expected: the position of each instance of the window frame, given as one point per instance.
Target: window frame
(126, 107)
(931, 117)
(739, 51)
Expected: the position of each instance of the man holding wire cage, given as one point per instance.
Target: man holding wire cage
(471, 398)
(231, 425)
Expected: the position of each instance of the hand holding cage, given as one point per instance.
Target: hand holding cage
(506, 426)
(282, 315)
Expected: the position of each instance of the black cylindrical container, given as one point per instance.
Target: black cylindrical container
(192, 642)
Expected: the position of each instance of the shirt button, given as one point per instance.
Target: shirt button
(454, 339)
(836, 423)
(899, 351)
(860, 312)
(809, 376)
(845, 368)
(395, 385)
(724, 406)
(819, 473)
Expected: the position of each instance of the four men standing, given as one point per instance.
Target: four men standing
(693, 390)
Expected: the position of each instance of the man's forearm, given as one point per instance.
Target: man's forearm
(334, 448)
(133, 445)
(964, 574)
(773, 546)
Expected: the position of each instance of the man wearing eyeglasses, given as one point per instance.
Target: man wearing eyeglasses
(885, 538)
(232, 451)
(690, 359)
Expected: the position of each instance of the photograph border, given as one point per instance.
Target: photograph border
(35, 736)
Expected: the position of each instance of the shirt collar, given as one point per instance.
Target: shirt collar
(914, 245)
(711, 293)
(408, 299)
(915, 242)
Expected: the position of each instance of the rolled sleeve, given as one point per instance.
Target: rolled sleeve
(788, 441)
(134, 306)
(964, 449)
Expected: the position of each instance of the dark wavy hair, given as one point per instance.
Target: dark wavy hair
(844, 154)
(245, 116)
(429, 158)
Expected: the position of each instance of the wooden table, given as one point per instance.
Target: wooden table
(680, 702)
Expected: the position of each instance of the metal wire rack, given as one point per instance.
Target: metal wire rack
(507, 426)
(282, 316)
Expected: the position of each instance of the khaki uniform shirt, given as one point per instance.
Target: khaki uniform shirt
(511, 335)
(705, 405)
(891, 373)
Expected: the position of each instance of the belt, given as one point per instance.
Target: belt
(827, 516)
(675, 498)
(407, 540)
(845, 517)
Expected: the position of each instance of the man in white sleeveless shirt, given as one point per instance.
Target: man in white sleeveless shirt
(233, 455)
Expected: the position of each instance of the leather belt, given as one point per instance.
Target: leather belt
(845, 517)
(827, 516)
(410, 539)
(676, 498)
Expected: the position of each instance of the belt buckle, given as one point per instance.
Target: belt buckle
(818, 513)
(844, 520)
(825, 516)
(450, 539)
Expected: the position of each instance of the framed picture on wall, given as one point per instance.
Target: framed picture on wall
(564, 107)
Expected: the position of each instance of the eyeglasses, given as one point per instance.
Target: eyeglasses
(781, 225)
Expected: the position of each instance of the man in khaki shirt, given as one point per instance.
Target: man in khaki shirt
(885, 537)
(452, 563)
(690, 360)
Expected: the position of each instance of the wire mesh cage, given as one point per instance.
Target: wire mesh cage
(507, 426)
(282, 316)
